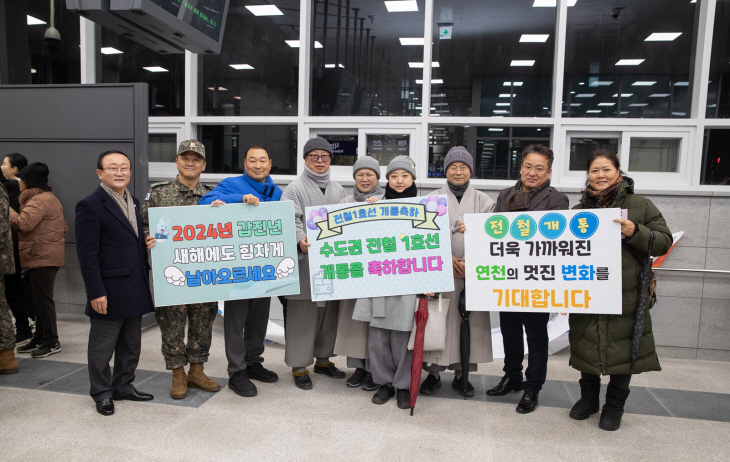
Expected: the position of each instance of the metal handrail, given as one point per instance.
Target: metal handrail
(689, 270)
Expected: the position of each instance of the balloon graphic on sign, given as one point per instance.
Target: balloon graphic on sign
(315, 216)
(437, 205)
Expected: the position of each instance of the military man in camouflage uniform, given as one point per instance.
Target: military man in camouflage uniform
(186, 189)
(8, 364)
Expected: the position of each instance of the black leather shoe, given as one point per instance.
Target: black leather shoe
(430, 385)
(303, 381)
(257, 371)
(456, 383)
(241, 385)
(136, 395)
(368, 384)
(403, 398)
(384, 393)
(357, 378)
(105, 406)
(528, 403)
(329, 370)
(505, 386)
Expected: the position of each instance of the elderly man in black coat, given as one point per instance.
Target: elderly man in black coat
(112, 254)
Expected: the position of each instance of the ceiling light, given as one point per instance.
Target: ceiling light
(606, 104)
(522, 62)
(239, 67)
(440, 104)
(420, 65)
(264, 10)
(662, 36)
(638, 104)
(576, 104)
(658, 95)
(502, 104)
(332, 66)
(34, 21)
(433, 81)
(585, 95)
(515, 84)
(600, 83)
(572, 93)
(534, 38)
(411, 40)
(681, 114)
(629, 62)
(545, 109)
(681, 84)
(33, 71)
(495, 129)
(581, 83)
(623, 112)
(594, 111)
(236, 97)
(296, 43)
(155, 69)
(398, 6)
(500, 112)
(219, 88)
(507, 95)
(110, 51)
(643, 83)
(550, 3)
(624, 95)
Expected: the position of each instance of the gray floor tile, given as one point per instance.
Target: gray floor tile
(158, 384)
(695, 404)
(37, 372)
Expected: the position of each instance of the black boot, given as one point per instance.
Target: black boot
(613, 410)
(587, 405)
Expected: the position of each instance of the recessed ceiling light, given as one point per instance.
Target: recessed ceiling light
(420, 65)
(681, 84)
(572, 93)
(438, 95)
(581, 83)
(600, 83)
(606, 104)
(534, 38)
(658, 95)
(544, 109)
(681, 114)
(638, 104)
(502, 104)
(155, 69)
(495, 129)
(576, 104)
(241, 66)
(33, 71)
(296, 43)
(433, 81)
(550, 3)
(236, 97)
(110, 51)
(623, 112)
(594, 111)
(219, 88)
(624, 95)
(522, 62)
(34, 21)
(264, 10)
(662, 36)
(440, 104)
(411, 40)
(629, 62)
(398, 6)
(500, 112)
(585, 95)
(507, 95)
(516, 84)
(643, 83)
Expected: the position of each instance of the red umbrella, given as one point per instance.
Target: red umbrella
(421, 318)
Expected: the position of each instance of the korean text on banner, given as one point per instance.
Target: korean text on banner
(234, 251)
(550, 261)
(393, 247)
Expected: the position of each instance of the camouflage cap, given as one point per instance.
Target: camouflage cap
(191, 146)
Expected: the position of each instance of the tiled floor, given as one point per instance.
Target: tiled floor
(682, 413)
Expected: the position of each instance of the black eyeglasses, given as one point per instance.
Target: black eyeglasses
(322, 157)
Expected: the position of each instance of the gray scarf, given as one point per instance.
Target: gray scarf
(458, 190)
(321, 179)
(361, 196)
(126, 204)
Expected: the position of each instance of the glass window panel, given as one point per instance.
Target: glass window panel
(496, 150)
(385, 148)
(654, 154)
(28, 59)
(716, 157)
(359, 66)
(344, 148)
(226, 146)
(476, 58)
(718, 90)
(162, 147)
(257, 72)
(655, 85)
(581, 149)
(166, 79)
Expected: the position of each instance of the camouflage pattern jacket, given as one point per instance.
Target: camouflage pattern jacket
(7, 262)
(171, 194)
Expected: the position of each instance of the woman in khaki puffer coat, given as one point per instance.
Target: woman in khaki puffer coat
(41, 227)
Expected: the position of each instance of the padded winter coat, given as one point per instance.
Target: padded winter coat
(41, 227)
(601, 343)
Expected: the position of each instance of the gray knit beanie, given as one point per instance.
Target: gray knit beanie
(366, 162)
(317, 143)
(404, 162)
(459, 154)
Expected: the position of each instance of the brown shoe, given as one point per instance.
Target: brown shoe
(8, 363)
(179, 388)
(198, 379)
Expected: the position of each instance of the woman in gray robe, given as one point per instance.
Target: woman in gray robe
(462, 199)
(352, 336)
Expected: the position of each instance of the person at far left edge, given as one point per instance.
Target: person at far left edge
(186, 189)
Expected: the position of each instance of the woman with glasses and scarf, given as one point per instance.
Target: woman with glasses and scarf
(601, 344)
